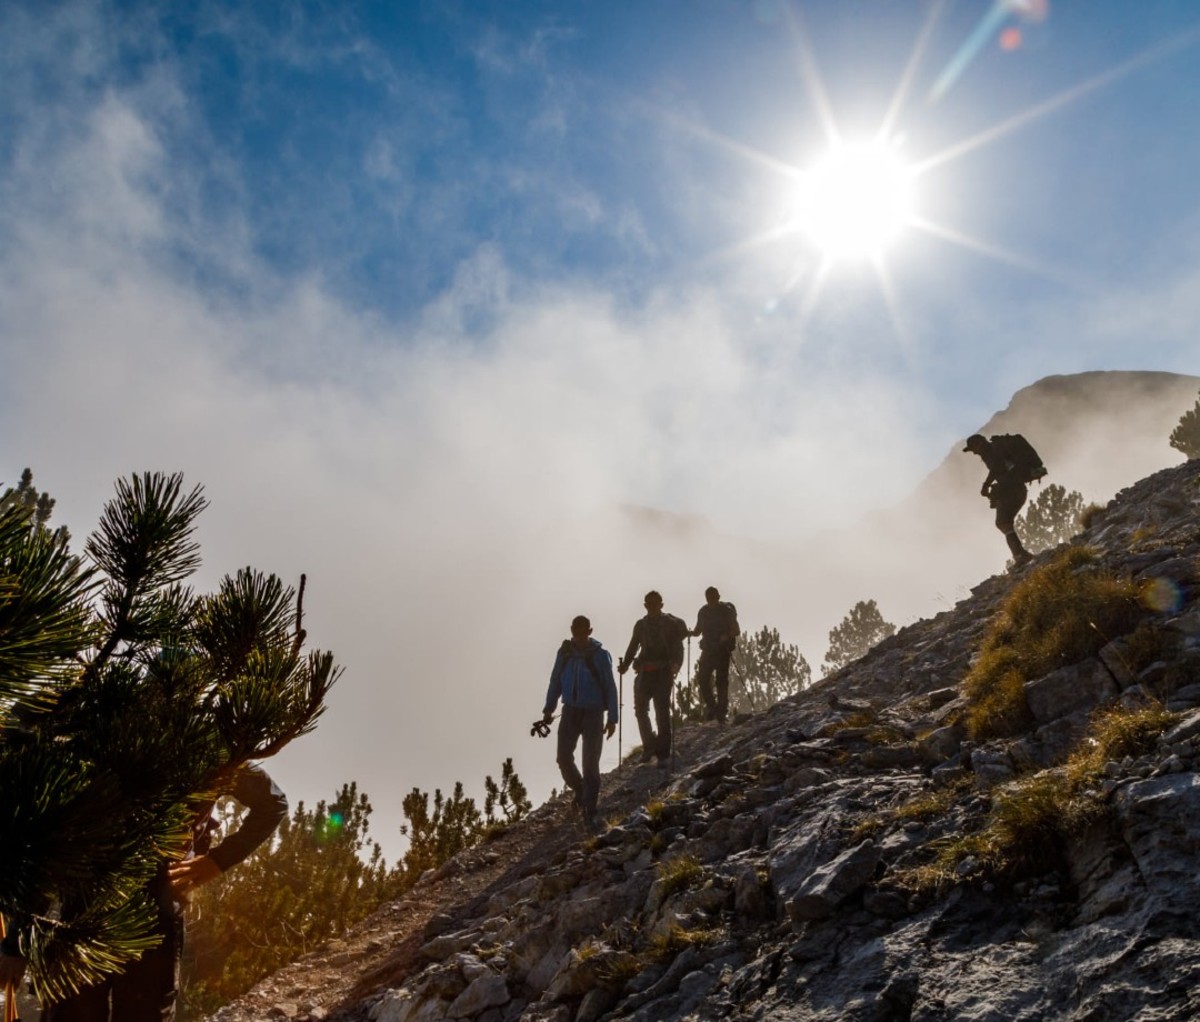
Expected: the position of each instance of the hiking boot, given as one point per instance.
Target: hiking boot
(664, 761)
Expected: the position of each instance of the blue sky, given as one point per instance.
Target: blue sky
(420, 290)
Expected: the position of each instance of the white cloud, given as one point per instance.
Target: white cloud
(451, 484)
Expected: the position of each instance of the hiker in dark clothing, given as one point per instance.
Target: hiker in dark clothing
(655, 652)
(1005, 490)
(582, 677)
(145, 991)
(717, 626)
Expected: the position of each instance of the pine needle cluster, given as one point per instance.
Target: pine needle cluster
(127, 704)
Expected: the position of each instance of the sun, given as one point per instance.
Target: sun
(856, 201)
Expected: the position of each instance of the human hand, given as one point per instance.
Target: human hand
(12, 970)
(610, 730)
(188, 874)
(547, 716)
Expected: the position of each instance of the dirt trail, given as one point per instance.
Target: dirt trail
(331, 982)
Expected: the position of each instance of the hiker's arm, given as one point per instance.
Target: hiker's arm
(630, 650)
(554, 689)
(267, 807)
(987, 484)
(608, 686)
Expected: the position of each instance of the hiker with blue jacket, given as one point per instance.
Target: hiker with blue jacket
(583, 678)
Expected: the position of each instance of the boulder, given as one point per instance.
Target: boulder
(1081, 686)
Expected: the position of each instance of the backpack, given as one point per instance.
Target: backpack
(1023, 461)
(589, 660)
(662, 639)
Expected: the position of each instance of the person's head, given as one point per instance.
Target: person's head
(581, 630)
(653, 602)
(976, 442)
(711, 594)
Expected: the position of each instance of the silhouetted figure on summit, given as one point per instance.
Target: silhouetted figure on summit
(655, 652)
(583, 678)
(717, 626)
(1012, 463)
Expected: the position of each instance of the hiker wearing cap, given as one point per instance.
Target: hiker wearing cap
(146, 989)
(655, 652)
(1004, 487)
(717, 626)
(583, 678)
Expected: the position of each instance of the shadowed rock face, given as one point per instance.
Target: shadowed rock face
(766, 878)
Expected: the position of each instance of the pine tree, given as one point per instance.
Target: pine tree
(455, 823)
(1052, 519)
(861, 629)
(1186, 435)
(509, 796)
(127, 703)
(764, 671)
(25, 495)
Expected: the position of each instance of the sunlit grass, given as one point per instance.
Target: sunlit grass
(1059, 614)
(1031, 820)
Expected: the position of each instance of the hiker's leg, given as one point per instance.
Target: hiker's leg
(89, 1005)
(704, 671)
(568, 736)
(641, 711)
(662, 711)
(145, 991)
(723, 685)
(593, 744)
(1015, 547)
(1008, 505)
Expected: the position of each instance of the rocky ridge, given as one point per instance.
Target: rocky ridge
(770, 875)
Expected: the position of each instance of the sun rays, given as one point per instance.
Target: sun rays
(857, 200)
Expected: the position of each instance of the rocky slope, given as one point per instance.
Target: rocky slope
(789, 868)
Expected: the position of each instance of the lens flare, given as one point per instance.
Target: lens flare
(330, 828)
(1162, 595)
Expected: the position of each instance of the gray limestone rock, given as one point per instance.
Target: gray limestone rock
(834, 882)
(1076, 687)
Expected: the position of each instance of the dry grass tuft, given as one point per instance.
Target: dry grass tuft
(679, 874)
(1032, 819)
(1059, 614)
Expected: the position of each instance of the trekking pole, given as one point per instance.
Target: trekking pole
(674, 725)
(620, 709)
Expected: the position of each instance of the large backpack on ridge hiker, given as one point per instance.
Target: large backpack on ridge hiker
(1023, 461)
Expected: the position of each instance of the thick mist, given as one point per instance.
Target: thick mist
(458, 485)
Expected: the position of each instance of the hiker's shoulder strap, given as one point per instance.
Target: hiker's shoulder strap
(589, 658)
